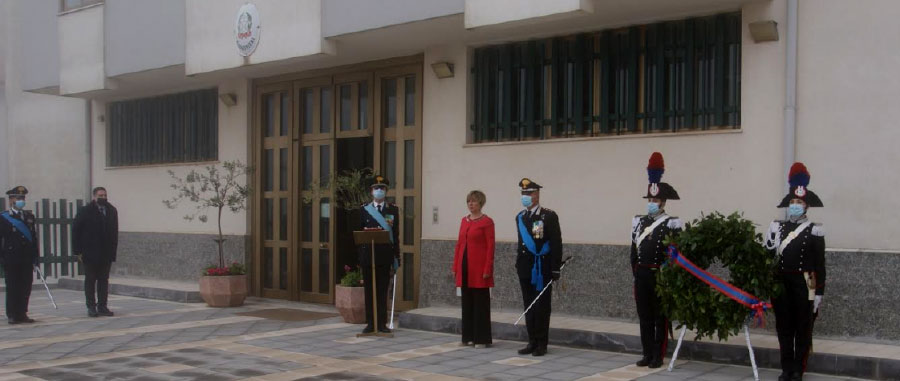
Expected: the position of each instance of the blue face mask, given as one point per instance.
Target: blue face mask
(652, 208)
(526, 201)
(796, 210)
(378, 194)
(20, 204)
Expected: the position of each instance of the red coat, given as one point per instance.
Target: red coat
(476, 239)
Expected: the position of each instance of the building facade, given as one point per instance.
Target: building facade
(444, 97)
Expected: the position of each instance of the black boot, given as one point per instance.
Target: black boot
(92, 311)
(656, 362)
(643, 362)
(528, 349)
(103, 311)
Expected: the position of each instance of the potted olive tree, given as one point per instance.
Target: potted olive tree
(350, 191)
(218, 188)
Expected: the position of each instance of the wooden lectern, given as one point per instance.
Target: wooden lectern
(373, 237)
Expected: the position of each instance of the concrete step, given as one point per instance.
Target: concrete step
(173, 291)
(836, 357)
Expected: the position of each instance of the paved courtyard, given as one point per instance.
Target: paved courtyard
(158, 340)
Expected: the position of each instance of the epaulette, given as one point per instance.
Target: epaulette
(818, 230)
(547, 209)
(635, 221)
(674, 223)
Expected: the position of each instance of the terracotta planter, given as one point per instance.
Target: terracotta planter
(351, 303)
(223, 291)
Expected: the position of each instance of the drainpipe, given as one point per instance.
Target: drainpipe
(88, 114)
(790, 101)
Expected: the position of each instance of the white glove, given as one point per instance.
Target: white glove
(816, 302)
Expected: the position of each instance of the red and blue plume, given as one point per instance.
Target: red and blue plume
(655, 167)
(798, 176)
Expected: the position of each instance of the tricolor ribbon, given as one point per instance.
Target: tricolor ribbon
(758, 306)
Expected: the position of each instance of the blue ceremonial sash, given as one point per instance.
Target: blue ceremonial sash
(19, 225)
(379, 219)
(537, 276)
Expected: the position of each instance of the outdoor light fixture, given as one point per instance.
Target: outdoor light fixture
(762, 31)
(229, 99)
(442, 69)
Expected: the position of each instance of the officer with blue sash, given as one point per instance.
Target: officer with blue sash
(537, 262)
(379, 215)
(648, 253)
(19, 255)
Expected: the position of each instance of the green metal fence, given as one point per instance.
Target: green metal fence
(671, 76)
(54, 220)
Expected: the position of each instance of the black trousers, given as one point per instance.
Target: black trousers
(96, 276)
(654, 326)
(793, 322)
(476, 310)
(382, 277)
(19, 278)
(537, 321)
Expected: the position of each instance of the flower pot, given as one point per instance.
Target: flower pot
(223, 291)
(351, 303)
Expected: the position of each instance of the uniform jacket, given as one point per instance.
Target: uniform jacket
(384, 253)
(551, 234)
(805, 253)
(476, 240)
(14, 247)
(94, 235)
(651, 252)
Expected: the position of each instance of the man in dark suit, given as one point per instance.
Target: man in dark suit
(95, 238)
(379, 215)
(538, 260)
(18, 254)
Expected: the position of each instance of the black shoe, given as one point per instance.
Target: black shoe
(92, 312)
(797, 376)
(539, 351)
(26, 319)
(655, 363)
(368, 330)
(643, 362)
(527, 350)
(103, 311)
(384, 330)
(12, 321)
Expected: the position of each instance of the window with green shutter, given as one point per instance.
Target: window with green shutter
(176, 128)
(672, 76)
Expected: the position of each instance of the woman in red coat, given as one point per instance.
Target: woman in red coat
(473, 269)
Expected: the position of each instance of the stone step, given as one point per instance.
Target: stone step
(835, 357)
(182, 292)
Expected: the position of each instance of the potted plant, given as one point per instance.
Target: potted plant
(350, 296)
(216, 188)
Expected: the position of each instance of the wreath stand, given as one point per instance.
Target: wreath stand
(749, 349)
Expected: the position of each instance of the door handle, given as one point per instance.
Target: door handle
(323, 245)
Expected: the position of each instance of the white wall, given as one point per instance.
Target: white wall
(596, 185)
(138, 191)
(142, 35)
(481, 13)
(847, 130)
(81, 51)
(289, 29)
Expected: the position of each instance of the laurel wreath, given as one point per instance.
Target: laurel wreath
(733, 243)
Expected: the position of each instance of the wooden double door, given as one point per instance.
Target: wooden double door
(306, 130)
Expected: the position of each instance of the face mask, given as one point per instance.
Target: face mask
(378, 194)
(103, 201)
(796, 210)
(652, 208)
(20, 204)
(526, 201)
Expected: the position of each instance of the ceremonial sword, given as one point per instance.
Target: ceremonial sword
(44, 281)
(561, 267)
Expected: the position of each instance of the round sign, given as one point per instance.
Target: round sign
(246, 29)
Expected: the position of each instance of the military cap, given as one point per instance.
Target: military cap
(657, 189)
(379, 181)
(17, 191)
(798, 179)
(527, 186)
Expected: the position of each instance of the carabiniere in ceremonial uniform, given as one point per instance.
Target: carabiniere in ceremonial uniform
(19, 255)
(648, 253)
(799, 246)
(380, 215)
(538, 260)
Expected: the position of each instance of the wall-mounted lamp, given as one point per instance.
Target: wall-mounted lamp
(442, 69)
(762, 31)
(229, 99)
